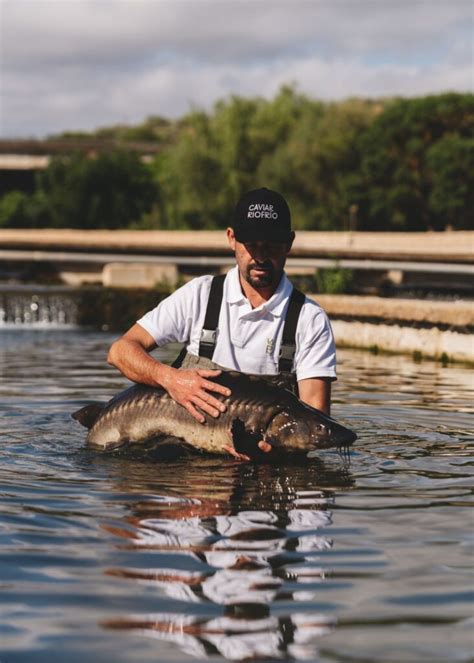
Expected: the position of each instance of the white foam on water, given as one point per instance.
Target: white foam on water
(42, 309)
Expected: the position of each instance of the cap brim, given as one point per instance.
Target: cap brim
(259, 234)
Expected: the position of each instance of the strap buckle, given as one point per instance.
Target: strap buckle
(209, 336)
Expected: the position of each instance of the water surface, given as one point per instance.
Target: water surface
(116, 558)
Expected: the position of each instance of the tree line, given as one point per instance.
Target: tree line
(392, 164)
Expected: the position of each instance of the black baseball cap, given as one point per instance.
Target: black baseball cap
(262, 215)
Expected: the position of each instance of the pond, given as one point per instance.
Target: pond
(120, 558)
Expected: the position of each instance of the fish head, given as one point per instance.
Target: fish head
(325, 431)
(285, 431)
(307, 430)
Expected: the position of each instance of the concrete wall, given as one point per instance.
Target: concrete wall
(138, 275)
(454, 245)
(440, 330)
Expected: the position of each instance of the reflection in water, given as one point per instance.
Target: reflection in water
(236, 562)
(237, 635)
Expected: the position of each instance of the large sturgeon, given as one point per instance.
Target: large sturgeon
(256, 410)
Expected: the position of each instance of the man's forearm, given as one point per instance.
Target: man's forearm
(191, 388)
(136, 364)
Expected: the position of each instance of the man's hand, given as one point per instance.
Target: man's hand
(190, 388)
(234, 453)
(262, 445)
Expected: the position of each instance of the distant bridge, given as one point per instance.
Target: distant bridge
(21, 155)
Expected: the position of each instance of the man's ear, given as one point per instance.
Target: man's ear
(231, 238)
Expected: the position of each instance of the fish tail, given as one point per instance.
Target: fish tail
(88, 414)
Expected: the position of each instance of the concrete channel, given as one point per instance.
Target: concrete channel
(441, 330)
(140, 259)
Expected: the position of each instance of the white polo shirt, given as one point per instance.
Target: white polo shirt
(248, 338)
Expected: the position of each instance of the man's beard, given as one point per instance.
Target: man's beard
(264, 280)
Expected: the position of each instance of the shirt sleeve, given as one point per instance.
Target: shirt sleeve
(171, 321)
(315, 355)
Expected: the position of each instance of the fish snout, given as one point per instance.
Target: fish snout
(332, 434)
(343, 437)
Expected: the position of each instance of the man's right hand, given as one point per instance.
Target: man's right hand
(190, 388)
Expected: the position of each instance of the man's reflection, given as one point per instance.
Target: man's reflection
(251, 552)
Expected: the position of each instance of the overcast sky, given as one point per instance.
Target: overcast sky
(81, 64)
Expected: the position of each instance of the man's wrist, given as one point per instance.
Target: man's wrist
(164, 375)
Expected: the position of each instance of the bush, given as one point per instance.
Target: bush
(111, 190)
(334, 280)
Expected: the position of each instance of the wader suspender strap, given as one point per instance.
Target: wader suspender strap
(208, 340)
(288, 342)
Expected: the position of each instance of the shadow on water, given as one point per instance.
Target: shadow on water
(235, 548)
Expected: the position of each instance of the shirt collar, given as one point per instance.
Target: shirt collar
(275, 305)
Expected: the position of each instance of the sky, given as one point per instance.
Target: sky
(84, 64)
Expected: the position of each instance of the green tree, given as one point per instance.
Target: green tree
(404, 164)
(217, 157)
(12, 209)
(110, 190)
(451, 171)
(396, 174)
(22, 210)
(191, 178)
(318, 166)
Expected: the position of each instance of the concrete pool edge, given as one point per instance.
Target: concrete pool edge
(433, 329)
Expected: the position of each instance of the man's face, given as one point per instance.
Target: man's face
(260, 263)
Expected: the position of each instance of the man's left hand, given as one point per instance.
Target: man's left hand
(262, 445)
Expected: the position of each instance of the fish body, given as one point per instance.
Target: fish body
(256, 410)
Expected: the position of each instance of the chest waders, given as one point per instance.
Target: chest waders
(284, 378)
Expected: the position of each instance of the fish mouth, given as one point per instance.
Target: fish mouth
(349, 438)
(344, 438)
(341, 437)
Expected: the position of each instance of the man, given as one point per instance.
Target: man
(261, 324)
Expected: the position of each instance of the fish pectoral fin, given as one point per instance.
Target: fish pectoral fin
(169, 447)
(88, 414)
(244, 440)
(170, 441)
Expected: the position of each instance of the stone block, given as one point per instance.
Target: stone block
(138, 275)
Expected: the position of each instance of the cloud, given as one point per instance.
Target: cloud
(119, 30)
(89, 63)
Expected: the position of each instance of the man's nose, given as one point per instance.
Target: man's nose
(261, 253)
